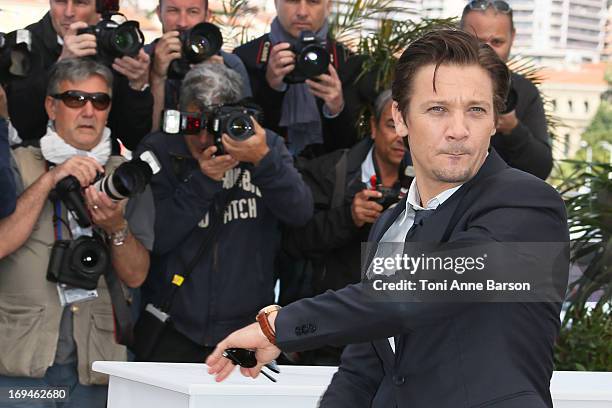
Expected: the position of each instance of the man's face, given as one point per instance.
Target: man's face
(493, 28)
(389, 146)
(65, 12)
(200, 142)
(80, 127)
(180, 15)
(449, 129)
(300, 15)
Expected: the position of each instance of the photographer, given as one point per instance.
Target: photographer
(178, 17)
(220, 214)
(51, 344)
(522, 138)
(329, 245)
(55, 38)
(317, 115)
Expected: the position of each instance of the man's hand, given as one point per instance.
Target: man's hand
(251, 150)
(215, 167)
(81, 167)
(167, 49)
(105, 213)
(250, 337)
(135, 69)
(280, 63)
(365, 210)
(328, 88)
(506, 123)
(76, 46)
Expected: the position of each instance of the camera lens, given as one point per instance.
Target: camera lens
(240, 127)
(126, 39)
(202, 41)
(313, 60)
(89, 259)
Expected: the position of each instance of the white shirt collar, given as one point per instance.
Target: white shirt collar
(414, 199)
(367, 168)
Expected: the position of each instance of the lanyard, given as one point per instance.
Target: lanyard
(57, 224)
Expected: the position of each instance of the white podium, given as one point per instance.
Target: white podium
(164, 385)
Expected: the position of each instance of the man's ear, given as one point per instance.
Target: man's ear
(373, 127)
(328, 8)
(401, 129)
(50, 107)
(158, 12)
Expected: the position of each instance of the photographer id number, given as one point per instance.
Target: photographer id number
(34, 393)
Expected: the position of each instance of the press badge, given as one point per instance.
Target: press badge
(69, 295)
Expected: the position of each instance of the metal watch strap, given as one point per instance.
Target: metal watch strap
(264, 323)
(117, 238)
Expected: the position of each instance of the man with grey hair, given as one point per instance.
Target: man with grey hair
(54, 331)
(218, 225)
(350, 188)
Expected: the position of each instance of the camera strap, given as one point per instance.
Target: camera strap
(122, 316)
(215, 223)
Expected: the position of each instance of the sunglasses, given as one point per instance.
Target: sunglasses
(78, 99)
(483, 5)
(246, 358)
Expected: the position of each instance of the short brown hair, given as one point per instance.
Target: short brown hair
(453, 47)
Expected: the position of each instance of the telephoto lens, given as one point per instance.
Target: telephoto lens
(130, 178)
(233, 120)
(198, 44)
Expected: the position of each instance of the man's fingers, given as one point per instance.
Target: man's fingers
(225, 372)
(74, 27)
(332, 72)
(209, 152)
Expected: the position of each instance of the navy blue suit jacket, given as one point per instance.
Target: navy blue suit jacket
(449, 354)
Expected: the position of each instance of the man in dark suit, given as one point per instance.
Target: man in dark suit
(447, 93)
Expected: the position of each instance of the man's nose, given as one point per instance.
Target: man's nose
(302, 10)
(88, 109)
(69, 9)
(457, 128)
(183, 22)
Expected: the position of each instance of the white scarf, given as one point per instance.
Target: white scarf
(56, 150)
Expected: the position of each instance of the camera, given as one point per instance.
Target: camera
(114, 40)
(198, 44)
(389, 197)
(234, 120)
(15, 54)
(312, 59)
(79, 262)
(130, 178)
(127, 180)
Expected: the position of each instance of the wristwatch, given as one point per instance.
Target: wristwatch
(264, 323)
(117, 238)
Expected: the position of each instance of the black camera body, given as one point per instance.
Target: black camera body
(234, 120)
(15, 54)
(199, 43)
(115, 40)
(68, 190)
(311, 58)
(79, 262)
(389, 197)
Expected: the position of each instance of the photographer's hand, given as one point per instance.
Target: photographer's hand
(280, 63)
(81, 167)
(251, 150)
(135, 69)
(167, 49)
(3, 104)
(215, 167)
(364, 210)
(78, 45)
(105, 213)
(328, 88)
(506, 123)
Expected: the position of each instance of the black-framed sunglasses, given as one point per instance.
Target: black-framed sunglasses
(246, 358)
(78, 99)
(483, 5)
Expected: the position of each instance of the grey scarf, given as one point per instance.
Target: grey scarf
(300, 113)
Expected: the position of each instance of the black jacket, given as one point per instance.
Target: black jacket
(456, 355)
(528, 146)
(130, 115)
(234, 278)
(339, 132)
(330, 240)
